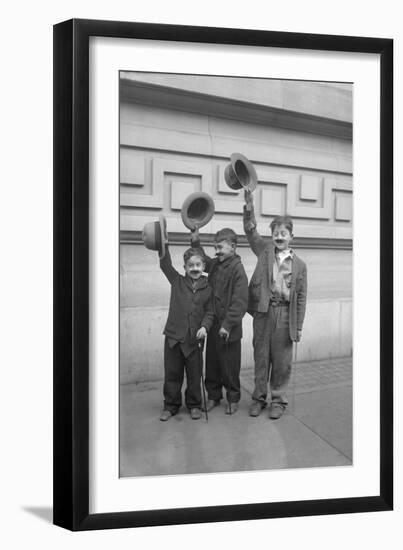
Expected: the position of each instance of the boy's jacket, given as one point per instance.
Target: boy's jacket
(230, 294)
(260, 283)
(190, 307)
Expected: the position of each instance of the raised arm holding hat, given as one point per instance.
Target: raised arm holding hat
(277, 302)
(190, 317)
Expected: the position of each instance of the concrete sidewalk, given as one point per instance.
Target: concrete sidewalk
(315, 431)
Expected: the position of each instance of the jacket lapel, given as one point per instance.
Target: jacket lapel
(294, 273)
(270, 262)
(200, 284)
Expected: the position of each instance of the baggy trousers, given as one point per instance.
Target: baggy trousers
(223, 365)
(175, 364)
(272, 348)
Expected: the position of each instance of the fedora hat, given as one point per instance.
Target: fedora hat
(155, 236)
(197, 210)
(240, 173)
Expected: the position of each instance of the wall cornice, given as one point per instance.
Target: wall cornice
(184, 100)
(135, 237)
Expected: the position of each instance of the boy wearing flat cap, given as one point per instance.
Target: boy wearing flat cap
(277, 301)
(229, 283)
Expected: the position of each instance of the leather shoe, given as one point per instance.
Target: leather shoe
(231, 408)
(276, 410)
(256, 408)
(210, 404)
(195, 414)
(165, 415)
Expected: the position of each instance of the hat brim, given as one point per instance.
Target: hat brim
(208, 214)
(252, 175)
(163, 235)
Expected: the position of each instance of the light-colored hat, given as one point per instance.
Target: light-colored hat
(240, 173)
(197, 210)
(155, 236)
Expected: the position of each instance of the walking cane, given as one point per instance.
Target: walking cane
(269, 379)
(228, 373)
(294, 375)
(201, 345)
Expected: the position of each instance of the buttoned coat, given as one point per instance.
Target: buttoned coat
(190, 305)
(230, 294)
(260, 283)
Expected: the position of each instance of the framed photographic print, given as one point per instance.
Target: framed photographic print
(223, 259)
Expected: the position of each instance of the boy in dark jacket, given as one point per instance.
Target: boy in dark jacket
(229, 282)
(277, 301)
(190, 317)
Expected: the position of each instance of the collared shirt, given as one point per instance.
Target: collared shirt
(282, 271)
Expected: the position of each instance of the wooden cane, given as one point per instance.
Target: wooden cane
(201, 345)
(294, 375)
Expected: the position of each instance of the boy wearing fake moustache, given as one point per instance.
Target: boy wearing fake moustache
(190, 317)
(277, 302)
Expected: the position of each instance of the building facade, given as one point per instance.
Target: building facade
(177, 133)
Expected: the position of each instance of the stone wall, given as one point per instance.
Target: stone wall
(145, 298)
(177, 133)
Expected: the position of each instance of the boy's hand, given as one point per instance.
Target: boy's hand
(299, 335)
(201, 333)
(250, 225)
(194, 236)
(223, 333)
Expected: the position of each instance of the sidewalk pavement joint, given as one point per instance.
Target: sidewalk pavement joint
(315, 431)
(307, 377)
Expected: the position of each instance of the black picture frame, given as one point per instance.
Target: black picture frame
(71, 273)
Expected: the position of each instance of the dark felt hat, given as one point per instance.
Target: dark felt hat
(155, 236)
(197, 210)
(240, 173)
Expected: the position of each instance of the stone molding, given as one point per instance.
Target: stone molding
(180, 239)
(189, 101)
